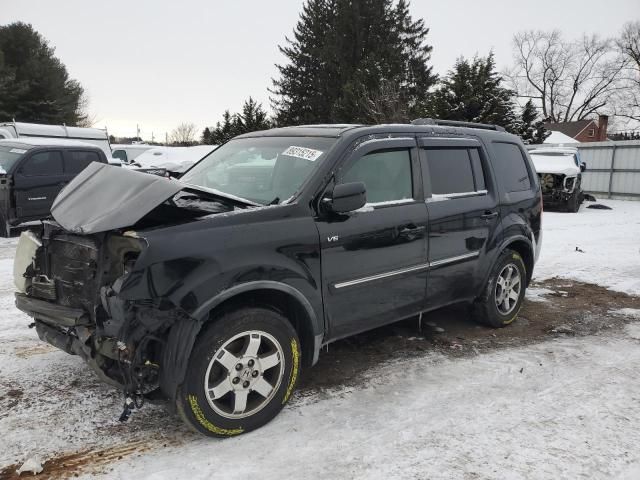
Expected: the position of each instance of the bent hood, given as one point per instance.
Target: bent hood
(103, 197)
(555, 164)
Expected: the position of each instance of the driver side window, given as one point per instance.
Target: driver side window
(386, 175)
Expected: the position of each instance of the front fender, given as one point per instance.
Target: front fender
(183, 334)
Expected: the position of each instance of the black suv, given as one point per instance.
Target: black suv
(32, 173)
(217, 289)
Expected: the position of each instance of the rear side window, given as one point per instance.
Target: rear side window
(451, 170)
(386, 175)
(78, 161)
(510, 166)
(43, 163)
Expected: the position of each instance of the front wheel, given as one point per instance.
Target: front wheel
(573, 204)
(504, 293)
(241, 373)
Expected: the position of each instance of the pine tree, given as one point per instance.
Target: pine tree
(530, 129)
(34, 84)
(473, 92)
(343, 54)
(252, 118)
(206, 136)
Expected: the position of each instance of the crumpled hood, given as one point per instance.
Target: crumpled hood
(103, 197)
(556, 164)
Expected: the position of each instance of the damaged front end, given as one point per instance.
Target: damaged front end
(557, 188)
(72, 274)
(71, 289)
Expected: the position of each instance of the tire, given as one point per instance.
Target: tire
(573, 204)
(5, 228)
(238, 333)
(490, 308)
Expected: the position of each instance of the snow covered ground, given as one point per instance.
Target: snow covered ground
(608, 243)
(562, 408)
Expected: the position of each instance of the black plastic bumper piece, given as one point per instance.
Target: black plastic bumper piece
(50, 312)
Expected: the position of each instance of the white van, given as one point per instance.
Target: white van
(94, 136)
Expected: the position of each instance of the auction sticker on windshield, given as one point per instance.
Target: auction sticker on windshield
(303, 152)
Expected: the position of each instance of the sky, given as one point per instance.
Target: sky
(155, 64)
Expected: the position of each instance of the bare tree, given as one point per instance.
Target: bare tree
(85, 117)
(570, 80)
(184, 134)
(628, 44)
(385, 105)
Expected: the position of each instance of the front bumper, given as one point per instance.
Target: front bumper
(51, 313)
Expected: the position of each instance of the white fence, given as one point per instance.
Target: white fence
(613, 168)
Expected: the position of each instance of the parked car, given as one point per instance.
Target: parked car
(128, 153)
(560, 171)
(32, 173)
(173, 160)
(216, 289)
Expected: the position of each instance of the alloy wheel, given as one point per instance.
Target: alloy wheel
(244, 374)
(508, 287)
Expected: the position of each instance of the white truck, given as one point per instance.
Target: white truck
(94, 136)
(560, 171)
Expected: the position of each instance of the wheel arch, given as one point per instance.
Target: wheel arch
(523, 246)
(269, 294)
(284, 298)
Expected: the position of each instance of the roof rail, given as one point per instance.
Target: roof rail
(455, 123)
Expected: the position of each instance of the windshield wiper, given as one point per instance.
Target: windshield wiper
(275, 201)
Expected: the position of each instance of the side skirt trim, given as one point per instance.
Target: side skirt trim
(401, 271)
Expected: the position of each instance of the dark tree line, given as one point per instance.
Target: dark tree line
(251, 118)
(348, 61)
(473, 91)
(368, 61)
(34, 84)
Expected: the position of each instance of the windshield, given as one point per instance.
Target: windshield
(9, 156)
(265, 170)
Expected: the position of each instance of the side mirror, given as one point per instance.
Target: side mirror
(583, 167)
(348, 197)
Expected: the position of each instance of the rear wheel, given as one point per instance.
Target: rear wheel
(504, 293)
(241, 372)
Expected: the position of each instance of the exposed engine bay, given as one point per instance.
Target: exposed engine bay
(70, 288)
(557, 186)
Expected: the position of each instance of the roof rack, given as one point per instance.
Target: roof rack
(455, 123)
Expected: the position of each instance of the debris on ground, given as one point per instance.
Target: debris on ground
(599, 206)
(566, 329)
(33, 465)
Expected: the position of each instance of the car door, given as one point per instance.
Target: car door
(37, 181)
(462, 202)
(374, 259)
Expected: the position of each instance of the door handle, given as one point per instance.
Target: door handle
(488, 215)
(410, 230)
